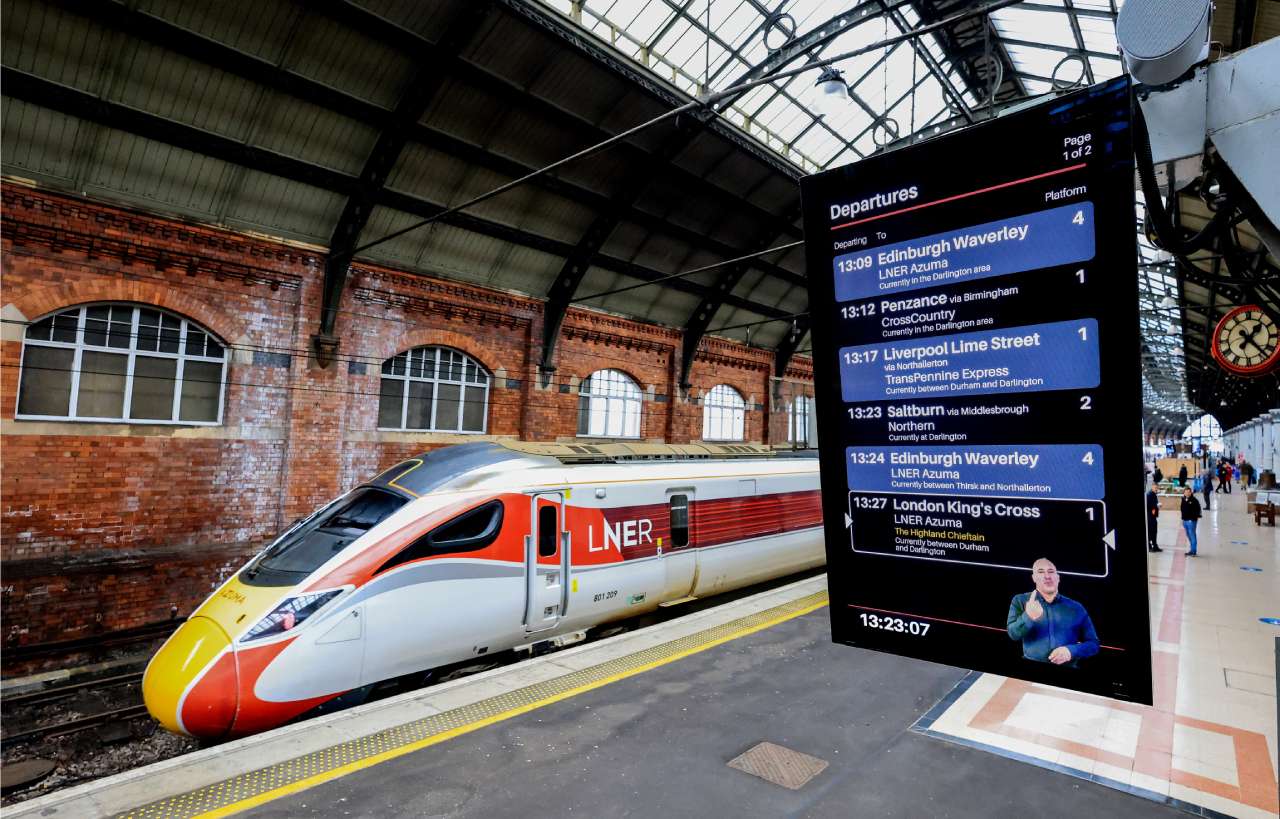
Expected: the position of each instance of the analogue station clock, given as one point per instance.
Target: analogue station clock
(1246, 341)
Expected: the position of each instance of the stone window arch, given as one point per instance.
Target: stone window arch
(609, 405)
(724, 414)
(120, 362)
(801, 423)
(436, 389)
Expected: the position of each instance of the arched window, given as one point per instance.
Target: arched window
(1205, 431)
(121, 362)
(433, 388)
(801, 425)
(609, 405)
(724, 414)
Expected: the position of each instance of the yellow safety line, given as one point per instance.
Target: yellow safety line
(368, 762)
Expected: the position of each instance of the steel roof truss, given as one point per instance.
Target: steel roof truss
(428, 77)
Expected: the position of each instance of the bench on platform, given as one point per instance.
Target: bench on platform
(1262, 504)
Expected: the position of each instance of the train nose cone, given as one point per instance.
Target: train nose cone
(191, 685)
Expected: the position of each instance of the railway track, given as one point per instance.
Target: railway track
(15, 706)
(73, 726)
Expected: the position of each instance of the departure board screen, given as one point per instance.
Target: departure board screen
(974, 304)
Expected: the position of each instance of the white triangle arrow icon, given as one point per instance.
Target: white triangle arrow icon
(848, 521)
(1110, 538)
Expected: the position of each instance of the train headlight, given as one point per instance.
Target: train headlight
(290, 614)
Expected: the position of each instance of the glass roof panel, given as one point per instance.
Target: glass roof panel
(1099, 34)
(639, 18)
(1034, 25)
(673, 38)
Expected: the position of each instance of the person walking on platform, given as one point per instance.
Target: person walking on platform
(1228, 472)
(1153, 517)
(1190, 517)
(1220, 471)
(1182, 475)
(1205, 481)
(1158, 477)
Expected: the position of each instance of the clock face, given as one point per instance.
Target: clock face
(1247, 341)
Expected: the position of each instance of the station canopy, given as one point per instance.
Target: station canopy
(337, 123)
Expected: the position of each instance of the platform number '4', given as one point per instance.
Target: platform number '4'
(1088, 458)
(1078, 219)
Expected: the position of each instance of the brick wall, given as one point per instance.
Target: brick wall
(107, 526)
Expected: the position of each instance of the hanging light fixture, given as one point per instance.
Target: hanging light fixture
(832, 91)
(1167, 302)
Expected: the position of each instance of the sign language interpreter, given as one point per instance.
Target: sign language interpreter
(1053, 628)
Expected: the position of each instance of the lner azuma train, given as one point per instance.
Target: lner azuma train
(474, 549)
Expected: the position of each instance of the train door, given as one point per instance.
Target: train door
(679, 558)
(546, 560)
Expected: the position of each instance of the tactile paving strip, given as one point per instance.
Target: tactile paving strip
(254, 787)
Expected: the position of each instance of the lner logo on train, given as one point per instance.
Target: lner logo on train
(624, 533)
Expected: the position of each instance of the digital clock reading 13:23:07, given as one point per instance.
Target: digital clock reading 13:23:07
(895, 624)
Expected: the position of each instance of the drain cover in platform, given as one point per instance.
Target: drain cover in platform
(779, 765)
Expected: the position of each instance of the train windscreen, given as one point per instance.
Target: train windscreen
(311, 542)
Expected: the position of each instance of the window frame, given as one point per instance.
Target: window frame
(800, 407)
(688, 519)
(548, 534)
(79, 347)
(492, 532)
(436, 381)
(714, 401)
(611, 375)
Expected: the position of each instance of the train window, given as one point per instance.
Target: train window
(679, 521)
(308, 545)
(548, 530)
(474, 529)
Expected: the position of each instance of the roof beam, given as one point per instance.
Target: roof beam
(1098, 13)
(47, 94)
(964, 42)
(1081, 52)
(638, 76)
(815, 38)
(223, 57)
(787, 347)
(396, 36)
(1242, 24)
(427, 78)
(717, 295)
(565, 286)
(931, 63)
(1075, 30)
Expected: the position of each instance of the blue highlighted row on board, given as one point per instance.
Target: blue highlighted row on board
(1059, 471)
(1047, 238)
(1059, 355)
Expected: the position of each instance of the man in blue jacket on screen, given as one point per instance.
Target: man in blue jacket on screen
(1053, 628)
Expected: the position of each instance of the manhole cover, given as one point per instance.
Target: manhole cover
(20, 774)
(779, 765)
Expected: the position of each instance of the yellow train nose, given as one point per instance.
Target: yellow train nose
(190, 685)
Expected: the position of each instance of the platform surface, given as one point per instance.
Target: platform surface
(646, 723)
(658, 744)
